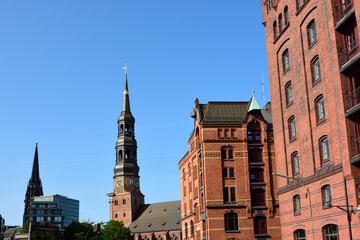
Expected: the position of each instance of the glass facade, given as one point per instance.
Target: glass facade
(56, 209)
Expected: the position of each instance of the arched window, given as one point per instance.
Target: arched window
(254, 131)
(297, 205)
(288, 93)
(292, 128)
(258, 197)
(331, 232)
(326, 196)
(231, 222)
(121, 128)
(299, 234)
(320, 109)
(186, 231)
(286, 15)
(275, 29)
(127, 154)
(192, 233)
(280, 23)
(146, 238)
(295, 163)
(286, 61)
(126, 128)
(315, 70)
(324, 149)
(120, 154)
(311, 32)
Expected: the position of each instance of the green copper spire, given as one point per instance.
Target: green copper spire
(253, 104)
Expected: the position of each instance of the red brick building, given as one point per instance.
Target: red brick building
(226, 182)
(314, 72)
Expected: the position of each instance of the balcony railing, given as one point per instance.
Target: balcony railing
(345, 8)
(355, 147)
(353, 99)
(349, 52)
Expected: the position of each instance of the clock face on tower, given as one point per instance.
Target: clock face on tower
(136, 182)
(119, 182)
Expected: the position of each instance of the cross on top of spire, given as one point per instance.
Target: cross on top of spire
(125, 68)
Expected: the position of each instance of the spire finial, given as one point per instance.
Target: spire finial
(125, 68)
(126, 101)
(253, 92)
(37, 142)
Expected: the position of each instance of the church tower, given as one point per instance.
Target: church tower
(34, 187)
(127, 197)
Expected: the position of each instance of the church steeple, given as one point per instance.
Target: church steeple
(126, 101)
(34, 187)
(126, 170)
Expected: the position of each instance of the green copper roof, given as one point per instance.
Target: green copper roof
(253, 104)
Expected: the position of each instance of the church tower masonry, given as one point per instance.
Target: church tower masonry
(127, 197)
(34, 187)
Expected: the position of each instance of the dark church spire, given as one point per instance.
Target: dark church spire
(34, 187)
(35, 175)
(126, 100)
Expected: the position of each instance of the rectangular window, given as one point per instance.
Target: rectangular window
(227, 133)
(226, 194)
(223, 154)
(231, 154)
(225, 175)
(190, 188)
(231, 172)
(195, 173)
(232, 194)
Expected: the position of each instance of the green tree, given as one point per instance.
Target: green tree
(42, 235)
(78, 231)
(115, 230)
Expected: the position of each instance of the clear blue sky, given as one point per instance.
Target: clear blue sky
(61, 82)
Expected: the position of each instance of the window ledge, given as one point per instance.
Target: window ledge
(316, 82)
(301, 7)
(289, 104)
(324, 161)
(286, 70)
(232, 231)
(321, 121)
(281, 33)
(312, 44)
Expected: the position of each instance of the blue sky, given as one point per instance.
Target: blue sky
(61, 82)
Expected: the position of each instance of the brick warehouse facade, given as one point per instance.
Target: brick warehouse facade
(226, 183)
(314, 73)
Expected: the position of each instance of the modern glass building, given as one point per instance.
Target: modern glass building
(54, 208)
